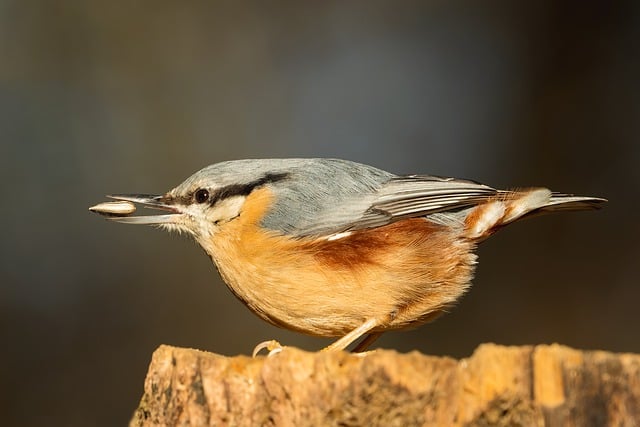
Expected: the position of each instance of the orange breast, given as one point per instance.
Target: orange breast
(405, 272)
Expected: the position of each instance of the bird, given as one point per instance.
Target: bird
(335, 248)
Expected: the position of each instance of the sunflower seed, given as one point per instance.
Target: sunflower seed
(120, 208)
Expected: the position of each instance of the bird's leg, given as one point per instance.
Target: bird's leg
(366, 342)
(344, 342)
(274, 347)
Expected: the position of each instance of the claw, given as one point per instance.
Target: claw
(273, 346)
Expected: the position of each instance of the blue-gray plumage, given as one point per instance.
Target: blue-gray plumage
(317, 196)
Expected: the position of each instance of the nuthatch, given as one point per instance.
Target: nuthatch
(335, 248)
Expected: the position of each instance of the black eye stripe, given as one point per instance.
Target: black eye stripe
(244, 189)
(224, 192)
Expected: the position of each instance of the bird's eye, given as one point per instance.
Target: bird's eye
(201, 195)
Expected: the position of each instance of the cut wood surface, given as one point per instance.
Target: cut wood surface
(545, 385)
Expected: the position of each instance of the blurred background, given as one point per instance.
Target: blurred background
(124, 97)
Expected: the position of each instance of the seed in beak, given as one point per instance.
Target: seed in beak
(120, 208)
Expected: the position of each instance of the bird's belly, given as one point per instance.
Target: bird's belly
(401, 274)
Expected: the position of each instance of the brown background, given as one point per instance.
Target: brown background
(116, 97)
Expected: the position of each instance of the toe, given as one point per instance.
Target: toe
(273, 346)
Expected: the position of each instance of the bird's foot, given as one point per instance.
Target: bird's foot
(272, 346)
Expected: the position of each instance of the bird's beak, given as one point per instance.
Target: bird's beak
(119, 212)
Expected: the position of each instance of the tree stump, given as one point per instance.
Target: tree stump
(498, 386)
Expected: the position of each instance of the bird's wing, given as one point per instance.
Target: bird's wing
(327, 196)
(420, 195)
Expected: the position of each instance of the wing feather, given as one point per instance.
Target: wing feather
(420, 195)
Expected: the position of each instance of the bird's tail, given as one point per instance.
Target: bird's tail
(569, 202)
(509, 206)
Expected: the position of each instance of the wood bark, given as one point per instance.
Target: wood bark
(497, 386)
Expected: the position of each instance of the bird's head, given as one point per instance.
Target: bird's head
(207, 200)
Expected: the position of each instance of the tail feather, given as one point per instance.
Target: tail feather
(487, 218)
(569, 202)
(541, 201)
